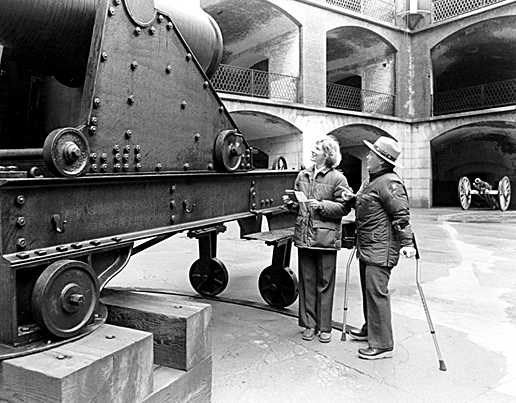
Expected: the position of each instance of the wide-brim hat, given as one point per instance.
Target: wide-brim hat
(387, 149)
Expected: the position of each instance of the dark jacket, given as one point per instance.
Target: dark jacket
(382, 219)
(320, 228)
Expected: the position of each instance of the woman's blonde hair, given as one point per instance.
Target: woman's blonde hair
(331, 149)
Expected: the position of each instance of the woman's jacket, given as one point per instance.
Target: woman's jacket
(382, 219)
(320, 228)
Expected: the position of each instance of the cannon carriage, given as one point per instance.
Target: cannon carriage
(112, 139)
(499, 198)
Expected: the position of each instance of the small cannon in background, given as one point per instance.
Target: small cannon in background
(496, 199)
(111, 133)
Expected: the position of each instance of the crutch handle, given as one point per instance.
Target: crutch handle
(415, 246)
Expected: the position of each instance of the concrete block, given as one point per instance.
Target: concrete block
(174, 385)
(112, 364)
(179, 325)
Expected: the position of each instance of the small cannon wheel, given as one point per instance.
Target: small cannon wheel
(64, 297)
(209, 277)
(278, 287)
(66, 152)
(504, 193)
(464, 192)
(229, 150)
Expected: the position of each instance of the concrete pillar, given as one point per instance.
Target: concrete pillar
(313, 63)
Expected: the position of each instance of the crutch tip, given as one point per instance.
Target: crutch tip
(442, 365)
(343, 337)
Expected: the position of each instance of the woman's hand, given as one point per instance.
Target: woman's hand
(314, 204)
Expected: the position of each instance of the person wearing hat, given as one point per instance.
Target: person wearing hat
(317, 235)
(383, 233)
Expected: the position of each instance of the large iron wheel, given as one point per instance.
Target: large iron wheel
(64, 297)
(209, 277)
(464, 192)
(504, 193)
(278, 287)
(66, 152)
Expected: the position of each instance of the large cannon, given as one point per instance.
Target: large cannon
(111, 133)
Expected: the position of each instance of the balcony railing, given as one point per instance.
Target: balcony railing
(445, 9)
(355, 99)
(379, 9)
(483, 96)
(255, 83)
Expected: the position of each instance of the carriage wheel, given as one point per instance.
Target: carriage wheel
(209, 277)
(464, 192)
(504, 193)
(278, 287)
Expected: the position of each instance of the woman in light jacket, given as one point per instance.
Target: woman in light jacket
(318, 237)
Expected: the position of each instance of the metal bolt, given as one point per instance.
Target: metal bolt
(172, 219)
(152, 30)
(188, 57)
(20, 221)
(262, 202)
(92, 130)
(96, 103)
(186, 166)
(93, 156)
(116, 238)
(138, 157)
(128, 134)
(125, 167)
(168, 69)
(95, 242)
(137, 148)
(160, 18)
(35, 172)
(248, 165)
(183, 105)
(169, 26)
(127, 148)
(137, 31)
(104, 167)
(205, 85)
(116, 2)
(197, 136)
(117, 157)
(117, 167)
(103, 56)
(125, 158)
(76, 299)
(21, 243)
(172, 189)
(76, 245)
(111, 11)
(93, 167)
(130, 99)
(103, 157)
(60, 357)
(20, 200)
(210, 166)
(221, 109)
(158, 166)
(41, 252)
(116, 148)
(110, 336)
(22, 255)
(134, 65)
(172, 204)
(93, 121)
(272, 200)
(138, 166)
(62, 248)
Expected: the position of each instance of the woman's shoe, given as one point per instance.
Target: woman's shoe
(360, 335)
(325, 337)
(374, 353)
(308, 334)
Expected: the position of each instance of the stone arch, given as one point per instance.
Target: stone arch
(273, 137)
(353, 150)
(484, 149)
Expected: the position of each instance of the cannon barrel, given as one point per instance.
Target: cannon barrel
(54, 35)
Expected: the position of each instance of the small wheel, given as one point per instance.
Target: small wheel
(66, 152)
(209, 277)
(229, 150)
(278, 287)
(464, 192)
(504, 193)
(64, 297)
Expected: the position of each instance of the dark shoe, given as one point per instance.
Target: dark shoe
(308, 334)
(360, 335)
(373, 353)
(325, 337)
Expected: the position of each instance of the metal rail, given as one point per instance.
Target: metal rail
(378, 9)
(446, 9)
(355, 99)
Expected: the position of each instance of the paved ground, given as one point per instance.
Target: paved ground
(469, 279)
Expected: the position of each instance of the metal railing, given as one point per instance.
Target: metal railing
(380, 9)
(489, 95)
(256, 83)
(445, 9)
(355, 99)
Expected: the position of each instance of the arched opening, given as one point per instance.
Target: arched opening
(261, 49)
(354, 151)
(360, 71)
(486, 150)
(275, 140)
(475, 67)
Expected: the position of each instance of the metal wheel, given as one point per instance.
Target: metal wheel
(464, 192)
(66, 152)
(229, 150)
(64, 297)
(504, 193)
(278, 287)
(209, 277)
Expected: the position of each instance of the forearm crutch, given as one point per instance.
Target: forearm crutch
(346, 283)
(442, 365)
